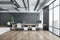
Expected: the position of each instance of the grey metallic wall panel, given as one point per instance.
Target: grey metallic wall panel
(46, 17)
(19, 17)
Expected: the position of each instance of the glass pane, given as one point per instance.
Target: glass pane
(56, 31)
(56, 3)
(51, 6)
(50, 17)
(41, 16)
(56, 17)
(50, 29)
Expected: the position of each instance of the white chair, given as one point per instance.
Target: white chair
(8, 23)
(40, 26)
(33, 27)
(13, 26)
(25, 27)
(19, 25)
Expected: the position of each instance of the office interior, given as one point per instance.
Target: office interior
(29, 19)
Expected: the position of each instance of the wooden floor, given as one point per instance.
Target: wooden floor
(28, 35)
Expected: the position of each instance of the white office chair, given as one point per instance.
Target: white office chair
(8, 23)
(40, 26)
(13, 26)
(33, 27)
(26, 27)
(19, 25)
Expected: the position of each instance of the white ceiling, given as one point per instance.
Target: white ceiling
(20, 3)
(32, 4)
(4, 0)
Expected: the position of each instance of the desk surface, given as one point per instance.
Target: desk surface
(29, 24)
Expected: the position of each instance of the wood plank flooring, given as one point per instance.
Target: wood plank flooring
(28, 35)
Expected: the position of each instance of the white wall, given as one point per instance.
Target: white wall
(41, 18)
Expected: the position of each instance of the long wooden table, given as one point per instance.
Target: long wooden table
(27, 25)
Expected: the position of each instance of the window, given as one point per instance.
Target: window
(56, 17)
(56, 3)
(50, 17)
(51, 6)
(41, 16)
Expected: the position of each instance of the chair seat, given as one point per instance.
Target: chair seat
(25, 28)
(33, 28)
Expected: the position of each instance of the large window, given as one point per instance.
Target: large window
(51, 6)
(56, 3)
(56, 17)
(50, 17)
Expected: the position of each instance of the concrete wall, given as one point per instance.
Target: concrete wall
(46, 17)
(19, 17)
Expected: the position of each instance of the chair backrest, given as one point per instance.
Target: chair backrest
(19, 25)
(40, 26)
(25, 26)
(33, 26)
(8, 23)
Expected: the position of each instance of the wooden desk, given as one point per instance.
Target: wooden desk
(29, 25)
(26, 25)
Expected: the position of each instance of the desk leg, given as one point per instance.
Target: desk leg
(10, 28)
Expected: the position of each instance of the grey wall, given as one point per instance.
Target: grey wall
(4, 17)
(19, 17)
(46, 18)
